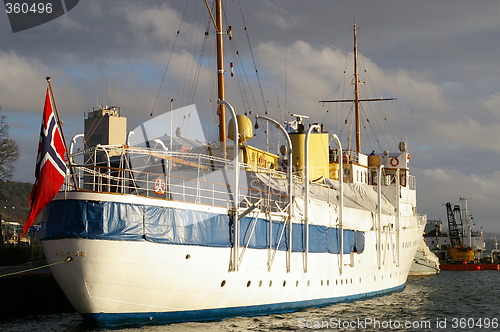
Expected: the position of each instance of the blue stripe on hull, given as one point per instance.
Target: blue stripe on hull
(132, 318)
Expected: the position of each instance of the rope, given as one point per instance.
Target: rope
(192, 66)
(197, 70)
(253, 60)
(169, 58)
(69, 259)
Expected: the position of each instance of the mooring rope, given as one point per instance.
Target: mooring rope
(68, 259)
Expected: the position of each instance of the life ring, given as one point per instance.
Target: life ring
(394, 162)
(159, 186)
(262, 161)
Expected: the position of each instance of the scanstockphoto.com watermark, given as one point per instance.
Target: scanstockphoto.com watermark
(378, 324)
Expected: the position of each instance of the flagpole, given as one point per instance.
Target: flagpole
(58, 120)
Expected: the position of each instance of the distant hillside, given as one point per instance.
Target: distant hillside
(14, 200)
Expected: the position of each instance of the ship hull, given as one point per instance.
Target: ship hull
(117, 281)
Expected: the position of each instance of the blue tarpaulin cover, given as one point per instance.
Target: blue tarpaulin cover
(133, 222)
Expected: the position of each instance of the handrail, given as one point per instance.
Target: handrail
(236, 221)
(379, 217)
(306, 180)
(108, 161)
(290, 185)
(341, 201)
(118, 180)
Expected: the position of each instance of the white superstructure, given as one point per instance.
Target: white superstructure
(139, 256)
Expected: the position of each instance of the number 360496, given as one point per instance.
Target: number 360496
(26, 8)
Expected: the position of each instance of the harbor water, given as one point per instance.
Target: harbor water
(450, 301)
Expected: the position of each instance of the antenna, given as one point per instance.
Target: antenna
(299, 117)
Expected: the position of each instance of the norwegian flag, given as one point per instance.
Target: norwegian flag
(50, 169)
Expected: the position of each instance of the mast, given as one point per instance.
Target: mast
(217, 21)
(220, 77)
(357, 101)
(356, 94)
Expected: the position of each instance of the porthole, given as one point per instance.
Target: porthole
(249, 283)
(260, 283)
(328, 282)
(223, 283)
(270, 283)
(297, 283)
(308, 282)
(188, 256)
(284, 283)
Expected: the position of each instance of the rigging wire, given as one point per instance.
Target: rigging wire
(286, 79)
(293, 16)
(253, 59)
(344, 121)
(194, 85)
(280, 110)
(191, 64)
(210, 61)
(168, 61)
(212, 80)
(126, 69)
(312, 31)
(334, 92)
(370, 113)
(384, 112)
(369, 119)
(132, 60)
(241, 77)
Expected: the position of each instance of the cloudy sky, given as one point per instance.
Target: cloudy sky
(440, 59)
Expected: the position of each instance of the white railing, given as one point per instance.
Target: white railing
(185, 177)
